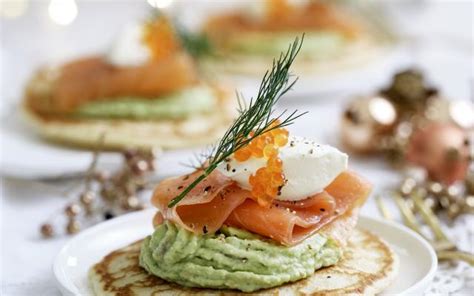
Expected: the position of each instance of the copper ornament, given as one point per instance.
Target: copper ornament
(365, 121)
(441, 149)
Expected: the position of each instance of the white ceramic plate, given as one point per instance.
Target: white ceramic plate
(320, 86)
(417, 259)
(25, 155)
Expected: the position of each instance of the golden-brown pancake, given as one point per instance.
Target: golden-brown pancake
(195, 130)
(367, 267)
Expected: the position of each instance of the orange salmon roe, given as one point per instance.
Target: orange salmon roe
(160, 37)
(267, 181)
(278, 9)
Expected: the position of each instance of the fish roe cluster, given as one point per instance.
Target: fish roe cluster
(160, 37)
(267, 181)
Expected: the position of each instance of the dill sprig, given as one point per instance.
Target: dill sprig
(257, 117)
(196, 44)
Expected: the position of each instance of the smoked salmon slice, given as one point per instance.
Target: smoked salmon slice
(93, 79)
(218, 200)
(314, 16)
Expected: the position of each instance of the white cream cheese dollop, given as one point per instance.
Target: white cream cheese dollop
(129, 48)
(308, 168)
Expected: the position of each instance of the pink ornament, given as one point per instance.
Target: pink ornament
(442, 149)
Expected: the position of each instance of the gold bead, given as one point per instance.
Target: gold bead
(453, 191)
(431, 202)
(407, 186)
(87, 198)
(132, 202)
(101, 176)
(47, 230)
(435, 188)
(140, 166)
(73, 226)
(72, 210)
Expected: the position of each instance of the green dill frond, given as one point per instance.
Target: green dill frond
(257, 117)
(196, 44)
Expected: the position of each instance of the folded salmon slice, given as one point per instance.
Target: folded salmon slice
(314, 16)
(92, 79)
(218, 200)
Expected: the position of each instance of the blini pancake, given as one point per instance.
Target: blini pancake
(368, 266)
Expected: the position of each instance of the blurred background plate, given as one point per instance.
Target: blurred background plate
(26, 156)
(316, 87)
(329, 78)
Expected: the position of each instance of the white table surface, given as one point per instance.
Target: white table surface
(26, 258)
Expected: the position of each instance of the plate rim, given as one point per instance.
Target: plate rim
(432, 254)
(66, 289)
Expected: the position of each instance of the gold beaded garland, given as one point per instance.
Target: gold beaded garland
(118, 191)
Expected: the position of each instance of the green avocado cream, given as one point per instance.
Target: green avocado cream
(232, 258)
(322, 44)
(179, 104)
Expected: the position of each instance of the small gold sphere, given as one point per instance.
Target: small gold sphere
(431, 202)
(435, 188)
(140, 166)
(72, 210)
(87, 198)
(407, 186)
(73, 226)
(453, 191)
(131, 202)
(47, 230)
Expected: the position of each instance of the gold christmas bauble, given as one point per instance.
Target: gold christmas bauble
(364, 121)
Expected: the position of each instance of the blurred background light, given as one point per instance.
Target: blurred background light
(462, 113)
(160, 3)
(62, 12)
(13, 8)
(382, 110)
